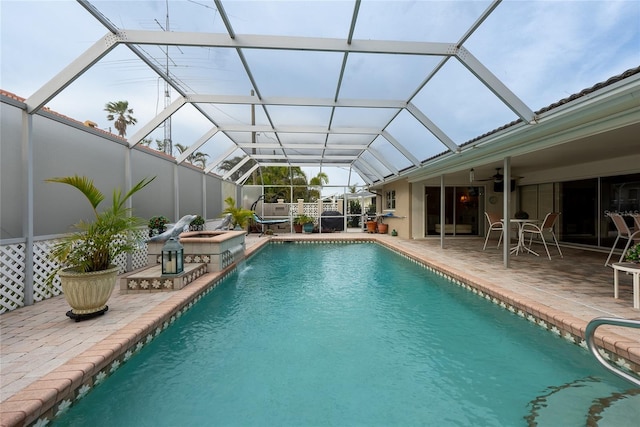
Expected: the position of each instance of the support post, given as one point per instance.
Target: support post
(506, 212)
(27, 206)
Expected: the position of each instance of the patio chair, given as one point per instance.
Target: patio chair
(623, 232)
(259, 220)
(547, 225)
(495, 224)
(636, 220)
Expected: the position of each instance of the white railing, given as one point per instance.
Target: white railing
(14, 271)
(589, 334)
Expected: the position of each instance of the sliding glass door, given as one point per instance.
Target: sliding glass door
(461, 207)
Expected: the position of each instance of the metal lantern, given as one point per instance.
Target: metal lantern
(172, 257)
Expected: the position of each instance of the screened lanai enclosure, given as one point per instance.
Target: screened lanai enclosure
(364, 91)
(428, 108)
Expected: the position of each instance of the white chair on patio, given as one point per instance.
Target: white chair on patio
(624, 232)
(547, 225)
(636, 220)
(495, 224)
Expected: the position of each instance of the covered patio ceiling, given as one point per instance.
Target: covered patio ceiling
(369, 89)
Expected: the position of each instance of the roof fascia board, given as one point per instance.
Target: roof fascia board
(251, 41)
(157, 121)
(495, 85)
(611, 110)
(400, 148)
(432, 127)
(71, 72)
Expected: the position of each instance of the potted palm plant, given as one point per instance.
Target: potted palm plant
(239, 216)
(197, 224)
(157, 225)
(300, 221)
(86, 256)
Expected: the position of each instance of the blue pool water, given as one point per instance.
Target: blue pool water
(339, 335)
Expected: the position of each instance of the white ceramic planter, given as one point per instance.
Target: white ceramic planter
(88, 293)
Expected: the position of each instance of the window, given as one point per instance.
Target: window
(390, 199)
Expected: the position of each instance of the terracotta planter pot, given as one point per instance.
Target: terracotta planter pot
(88, 293)
(383, 228)
(372, 226)
(297, 228)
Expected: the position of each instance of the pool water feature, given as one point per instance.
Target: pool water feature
(347, 334)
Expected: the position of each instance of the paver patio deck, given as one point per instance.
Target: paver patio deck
(44, 355)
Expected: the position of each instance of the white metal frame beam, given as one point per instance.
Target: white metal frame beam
(236, 167)
(262, 41)
(199, 143)
(495, 85)
(70, 73)
(133, 39)
(432, 127)
(413, 159)
(293, 146)
(295, 102)
(156, 121)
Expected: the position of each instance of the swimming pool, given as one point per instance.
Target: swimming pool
(348, 334)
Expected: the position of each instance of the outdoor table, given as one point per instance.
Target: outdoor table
(520, 246)
(632, 268)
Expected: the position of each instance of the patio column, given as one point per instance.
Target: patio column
(27, 206)
(506, 212)
(442, 211)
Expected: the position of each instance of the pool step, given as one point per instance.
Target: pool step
(581, 403)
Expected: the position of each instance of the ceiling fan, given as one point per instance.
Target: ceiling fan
(498, 177)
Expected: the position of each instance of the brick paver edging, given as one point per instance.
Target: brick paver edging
(55, 392)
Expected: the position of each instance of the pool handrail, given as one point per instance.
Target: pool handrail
(589, 333)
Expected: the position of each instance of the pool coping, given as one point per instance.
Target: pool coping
(52, 394)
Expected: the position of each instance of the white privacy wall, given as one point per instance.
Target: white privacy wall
(62, 147)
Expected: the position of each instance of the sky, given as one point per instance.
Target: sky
(542, 51)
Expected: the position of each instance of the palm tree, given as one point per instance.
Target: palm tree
(198, 158)
(161, 144)
(317, 182)
(121, 114)
(278, 178)
(229, 164)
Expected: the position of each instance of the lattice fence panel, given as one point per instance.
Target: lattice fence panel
(12, 273)
(311, 209)
(329, 207)
(139, 257)
(43, 267)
